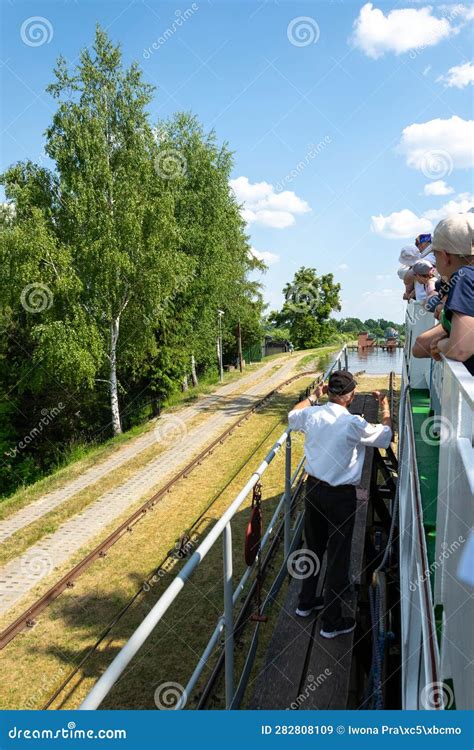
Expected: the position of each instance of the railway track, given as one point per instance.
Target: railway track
(180, 551)
(28, 618)
(243, 619)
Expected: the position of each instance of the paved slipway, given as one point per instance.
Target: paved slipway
(22, 573)
(51, 500)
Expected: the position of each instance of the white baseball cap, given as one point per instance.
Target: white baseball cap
(455, 235)
(409, 255)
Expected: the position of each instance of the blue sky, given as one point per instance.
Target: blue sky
(351, 122)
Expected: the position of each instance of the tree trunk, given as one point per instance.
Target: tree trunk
(194, 376)
(114, 401)
(239, 340)
(185, 385)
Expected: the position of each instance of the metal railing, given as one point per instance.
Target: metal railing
(420, 656)
(222, 529)
(426, 665)
(454, 524)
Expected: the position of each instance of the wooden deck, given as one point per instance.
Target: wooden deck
(303, 670)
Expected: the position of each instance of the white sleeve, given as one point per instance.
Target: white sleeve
(402, 272)
(374, 435)
(297, 418)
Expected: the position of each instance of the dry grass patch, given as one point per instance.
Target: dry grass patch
(39, 658)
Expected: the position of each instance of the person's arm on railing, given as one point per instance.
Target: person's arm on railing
(312, 399)
(425, 341)
(460, 344)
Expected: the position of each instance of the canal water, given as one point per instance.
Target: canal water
(376, 362)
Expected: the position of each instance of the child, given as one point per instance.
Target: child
(408, 256)
(425, 274)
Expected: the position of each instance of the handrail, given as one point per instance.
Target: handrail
(220, 623)
(146, 627)
(428, 657)
(428, 623)
(221, 528)
(411, 514)
(463, 377)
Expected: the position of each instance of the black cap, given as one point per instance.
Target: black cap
(341, 382)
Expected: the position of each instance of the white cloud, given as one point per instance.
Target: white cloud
(460, 205)
(399, 31)
(438, 145)
(406, 224)
(426, 70)
(459, 76)
(343, 267)
(267, 257)
(400, 224)
(262, 205)
(458, 11)
(382, 293)
(438, 187)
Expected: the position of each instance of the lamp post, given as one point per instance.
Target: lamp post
(220, 313)
(239, 342)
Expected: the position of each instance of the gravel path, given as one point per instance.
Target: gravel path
(22, 573)
(176, 421)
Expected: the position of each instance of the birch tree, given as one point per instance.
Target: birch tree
(115, 212)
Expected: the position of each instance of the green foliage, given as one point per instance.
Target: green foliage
(114, 263)
(309, 301)
(377, 328)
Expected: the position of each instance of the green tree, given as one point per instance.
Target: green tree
(213, 241)
(114, 263)
(108, 231)
(350, 325)
(309, 301)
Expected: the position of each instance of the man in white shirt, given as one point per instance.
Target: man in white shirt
(335, 442)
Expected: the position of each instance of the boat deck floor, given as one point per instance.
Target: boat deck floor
(302, 670)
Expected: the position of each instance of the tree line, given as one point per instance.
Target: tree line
(114, 262)
(378, 327)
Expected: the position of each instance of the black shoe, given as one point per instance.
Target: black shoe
(345, 625)
(315, 607)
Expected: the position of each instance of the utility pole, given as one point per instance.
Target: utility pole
(239, 339)
(220, 313)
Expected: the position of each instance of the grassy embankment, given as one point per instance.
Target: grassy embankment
(38, 660)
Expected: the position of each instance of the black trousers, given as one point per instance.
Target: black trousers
(329, 523)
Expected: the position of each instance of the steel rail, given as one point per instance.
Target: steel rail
(221, 529)
(150, 579)
(27, 618)
(105, 683)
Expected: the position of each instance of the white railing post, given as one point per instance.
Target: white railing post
(228, 616)
(287, 525)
